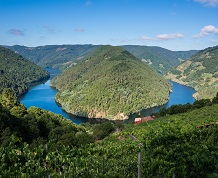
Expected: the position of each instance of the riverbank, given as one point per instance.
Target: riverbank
(119, 117)
(42, 96)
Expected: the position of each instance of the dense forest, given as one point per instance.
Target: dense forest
(200, 72)
(160, 59)
(63, 56)
(38, 143)
(18, 73)
(110, 83)
(54, 56)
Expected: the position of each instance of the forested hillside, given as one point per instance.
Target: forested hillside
(110, 83)
(62, 56)
(158, 58)
(200, 72)
(18, 73)
(54, 56)
(38, 143)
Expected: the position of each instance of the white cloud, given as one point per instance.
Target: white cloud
(169, 36)
(206, 30)
(147, 38)
(211, 3)
(16, 32)
(163, 37)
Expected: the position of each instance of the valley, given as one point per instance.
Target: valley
(199, 72)
(63, 56)
(38, 137)
(108, 89)
(42, 96)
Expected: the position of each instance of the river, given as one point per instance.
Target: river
(181, 95)
(42, 96)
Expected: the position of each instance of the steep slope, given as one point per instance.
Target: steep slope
(57, 56)
(200, 72)
(110, 83)
(62, 56)
(18, 73)
(159, 58)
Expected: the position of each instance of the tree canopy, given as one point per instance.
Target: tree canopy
(18, 73)
(110, 83)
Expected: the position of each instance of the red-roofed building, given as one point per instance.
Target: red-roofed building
(144, 119)
(137, 121)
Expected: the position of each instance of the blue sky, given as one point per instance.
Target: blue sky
(171, 24)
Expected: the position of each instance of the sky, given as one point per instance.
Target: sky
(172, 24)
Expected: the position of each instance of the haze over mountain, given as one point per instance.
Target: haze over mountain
(199, 72)
(18, 73)
(62, 56)
(110, 83)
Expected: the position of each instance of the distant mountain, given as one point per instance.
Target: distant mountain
(18, 73)
(62, 56)
(56, 56)
(159, 58)
(110, 83)
(200, 72)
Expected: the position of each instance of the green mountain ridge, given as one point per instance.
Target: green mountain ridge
(110, 83)
(54, 56)
(199, 72)
(62, 56)
(158, 58)
(18, 73)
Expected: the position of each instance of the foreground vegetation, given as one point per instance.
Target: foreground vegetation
(38, 143)
(199, 72)
(18, 73)
(31, 138)
(110, 83)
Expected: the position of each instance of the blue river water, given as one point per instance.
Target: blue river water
(42, 96)
(181, 94)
